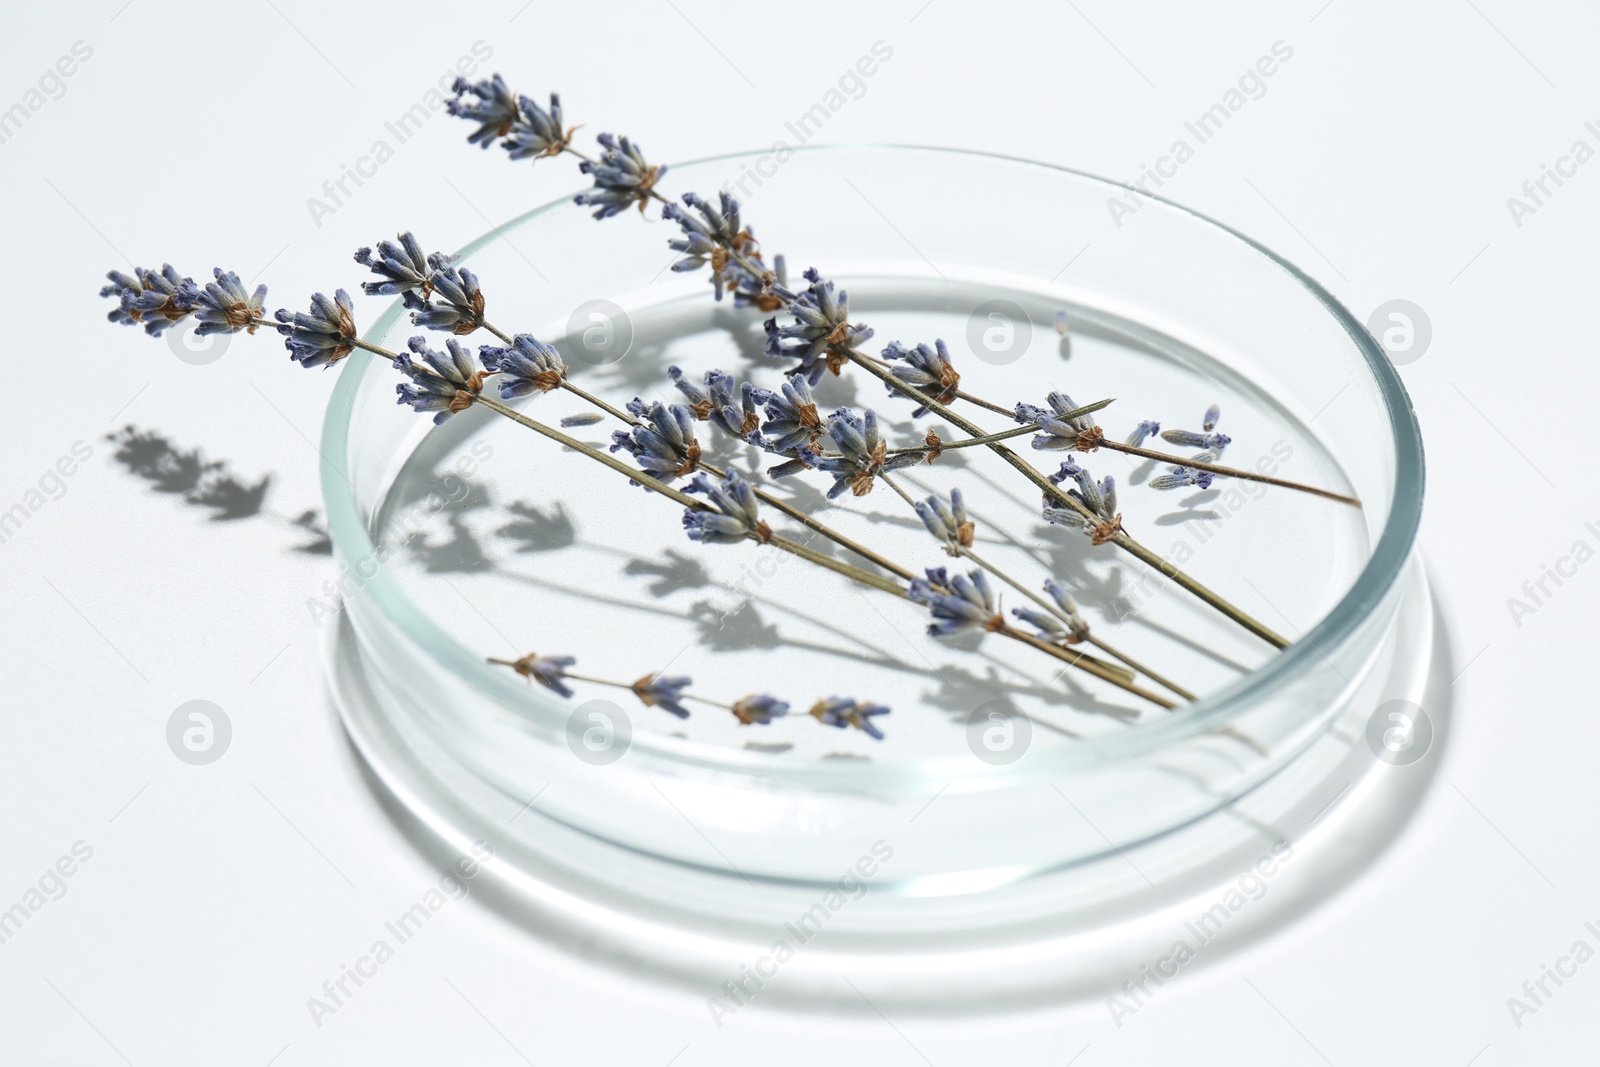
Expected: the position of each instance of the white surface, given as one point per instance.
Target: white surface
(219, 898)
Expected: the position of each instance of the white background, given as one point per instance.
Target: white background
(218, 898)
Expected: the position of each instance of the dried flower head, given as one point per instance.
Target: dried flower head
(1143, 432)
(1059, 433)
(399, 267)
(622, 177)
(322, 336)
(657, 691)
(444, 384)
(792, 419)
(767, 291)
(862, 454)
(528, 365)
(928, 370)
(494, 108)
(710, 235)
(847, 711)
(759, 709)
(732, 407)
(1183, 477)
(451, 302)
(738, 514)
(1099, 498)
(225, 306)
(946, 519)
(962, 604)
(663, 442)
(548, 671)
(1069, 627)
(154, 299)
(821, 330)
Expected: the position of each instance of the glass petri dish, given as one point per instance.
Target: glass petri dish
(700, 837)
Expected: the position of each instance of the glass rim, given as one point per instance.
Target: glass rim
(1378, 576)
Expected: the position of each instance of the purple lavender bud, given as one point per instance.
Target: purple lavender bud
(528, 365)
(655, 691)
(224, 306)
(324, 335)
(847, 711)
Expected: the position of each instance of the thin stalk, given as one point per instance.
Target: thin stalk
(962, 394)
(1078, 659)
(1119, 538)
(1226, 472)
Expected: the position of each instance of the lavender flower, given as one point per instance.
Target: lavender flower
(709, 236)
(621, 176)
(225, 307)
(529, 365)
(926, 369)
(820, 333)
(946, 520)
(1059, 434)
(1181, 477)
(767, 291)
(157, 299)
(759, 709)
(792, 420)
(495, 108)
(732, 407)
(847, 711)
(663, 442)
(459, 308)
(737, 517)
(528, 129)
(582, 418)
(655, 691)
(399, 267)
(1206, 439)
(963, 605)
(1063, 321)
(324, 335)
(862, 453)
(1069, 630)
(1099, 498)
(1143, 431)
(548, 671)
(439, 383)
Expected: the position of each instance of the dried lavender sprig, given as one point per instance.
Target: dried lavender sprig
(653, 690)
(848, 711)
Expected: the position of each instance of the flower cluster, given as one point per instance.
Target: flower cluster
(459, 305)
(946, 519)
(528, 365)
(324, 335)
(961, 604)
(445, 384)
(548, 671)
(1066, 626)
(821, 331)
(663, 440)
(1060, 430)
(1098, 498)
(154, 299)
(711, 234)
(622, 178)
(731, 407)
(225, 306)
(759, 710)
(737, 516)
(862, 455)
(792, 419)
(399, 267)
(658, 691)
(527, 129)
(847, 711)
(928, 370)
